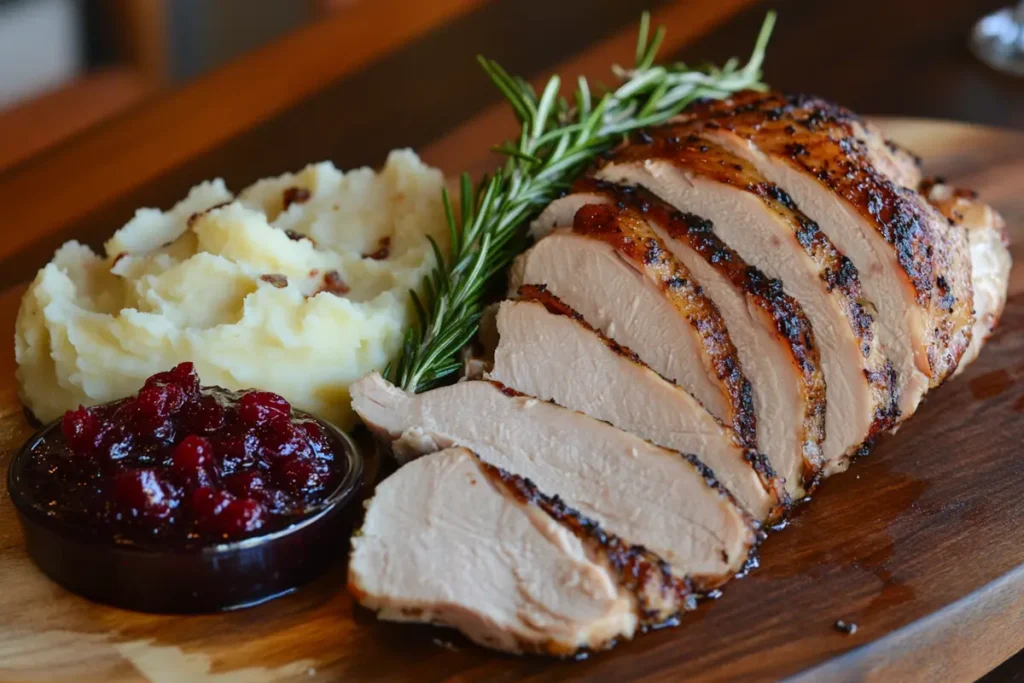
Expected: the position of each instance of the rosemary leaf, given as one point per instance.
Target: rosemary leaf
(554, 145)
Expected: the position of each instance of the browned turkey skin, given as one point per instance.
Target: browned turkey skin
(715, 162)
(550, 375)
(761, 250)
(690, 171)
(924, 298)
(452, 540)
(671, 503)
(761, 291)
(990, 256)
(893, 161)
(660, 595)
(817, 136)
(628, 233)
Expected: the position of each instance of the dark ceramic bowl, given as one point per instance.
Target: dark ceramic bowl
(189, 578)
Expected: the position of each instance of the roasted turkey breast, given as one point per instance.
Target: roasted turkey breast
(772, 335)
(548, 350)
(613, 269)
(452, 541)
(900, 165)
(724, 309)
(668, 502)
(990, 257)
(759, 220)
(914, 266)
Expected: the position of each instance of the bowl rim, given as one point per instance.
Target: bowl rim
(338, 497)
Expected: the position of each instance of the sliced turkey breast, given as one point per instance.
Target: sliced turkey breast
(765, 227)
(548, 350)
(990, 257)
(773, 338)
(890, 159)
(449, 540)
(668, 502)
(659, 596)
(914, 266)
(901, 165)
(613, 270)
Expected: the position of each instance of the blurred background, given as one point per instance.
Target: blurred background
(68, 64)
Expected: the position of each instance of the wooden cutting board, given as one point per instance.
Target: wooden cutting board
(921, 545)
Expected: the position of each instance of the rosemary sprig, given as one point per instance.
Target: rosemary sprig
(556, 143)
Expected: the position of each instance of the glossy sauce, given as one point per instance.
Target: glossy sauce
(179, 464)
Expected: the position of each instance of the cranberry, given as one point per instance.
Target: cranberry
(193, 461)
(219, 512)
(143, 493)
(259, 407)
(246, 484)
(282, 439)
(207, 503)
(184, 462)
(130, 420)
(316, 436)
(82, 430)
(116, 442)
(161, 401)
(204, 415)
(182, 375)
(237, 452)
(185, 376)
(240, 516)
(298, 474)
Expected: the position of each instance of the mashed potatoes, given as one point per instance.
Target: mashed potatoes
(299, 285)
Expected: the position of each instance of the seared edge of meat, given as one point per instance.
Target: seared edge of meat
(711, 480)
(818, 138)
(761, 291)
(634, 239)
(405, 421)
(703, 157)
(628, 303)
(907, 162)
(709, 476)
(899, 164)
(660, 595)
(773, 486)
(990, 256)
(511, 575)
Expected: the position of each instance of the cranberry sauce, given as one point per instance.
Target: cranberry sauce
(180, 463)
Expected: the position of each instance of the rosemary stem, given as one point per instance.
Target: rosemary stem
(555, 144)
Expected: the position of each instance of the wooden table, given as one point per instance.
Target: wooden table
(390, 73)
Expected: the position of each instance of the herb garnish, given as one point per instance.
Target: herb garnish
(557, 142)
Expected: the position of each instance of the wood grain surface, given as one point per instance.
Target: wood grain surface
(920, 544)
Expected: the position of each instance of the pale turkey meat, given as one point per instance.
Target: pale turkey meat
(720, 312)
(547, 350)
(990, 257)
(613, 269)
(666, 501)
(453, 541)
(914, 266)
(773, 337)
(766, 228)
